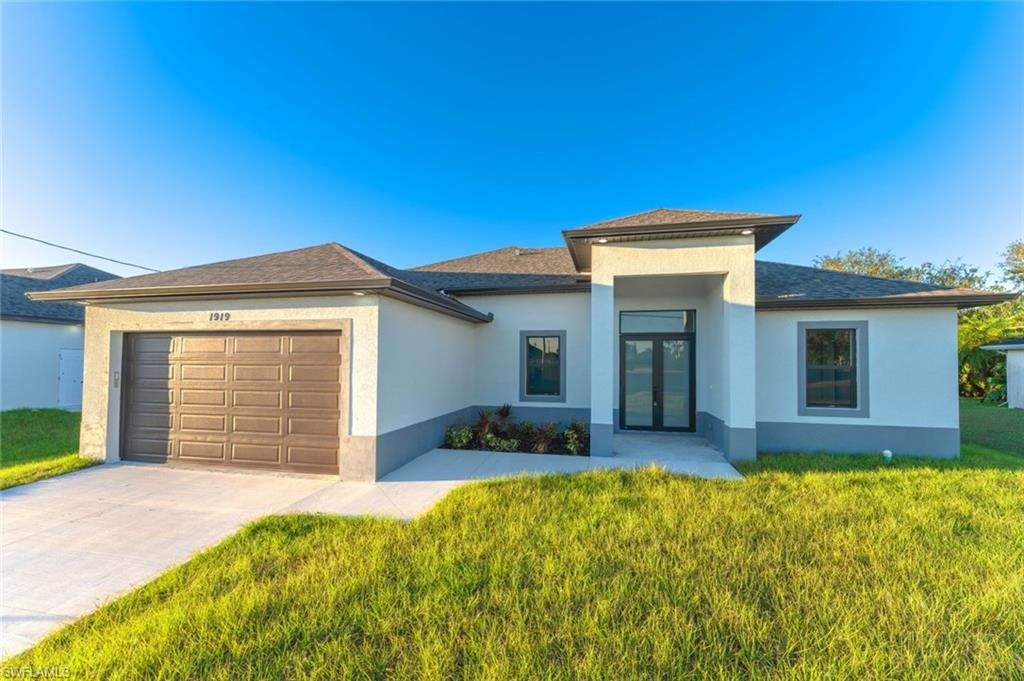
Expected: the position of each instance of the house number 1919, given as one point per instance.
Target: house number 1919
(220, 316)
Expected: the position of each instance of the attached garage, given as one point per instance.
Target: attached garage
(249, 400)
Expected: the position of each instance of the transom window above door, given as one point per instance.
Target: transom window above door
(657, 321)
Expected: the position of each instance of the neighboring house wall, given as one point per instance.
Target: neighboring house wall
(30, 364)
(426, 380)
(104, 333)
(912, 384)
(1015, 378)
(498, 352)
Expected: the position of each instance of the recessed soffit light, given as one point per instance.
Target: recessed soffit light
(602, 241)
(747, 232)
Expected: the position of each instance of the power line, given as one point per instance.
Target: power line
(75, 250)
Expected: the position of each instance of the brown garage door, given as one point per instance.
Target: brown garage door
(267, 400)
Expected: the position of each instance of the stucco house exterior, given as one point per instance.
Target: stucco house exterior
(41, 342)
(326, 360)
(1014, 349)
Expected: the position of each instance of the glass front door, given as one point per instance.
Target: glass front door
(656, 382)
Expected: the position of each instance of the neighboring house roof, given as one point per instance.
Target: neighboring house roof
(1006, 344)
(15, 283)
(673, 223)
(326, 268)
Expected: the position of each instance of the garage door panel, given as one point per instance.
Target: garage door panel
(257, 372)
(155, 396)
(259, 425)
(257, 398)
(211, 423)
(306, 344)
(159, 420)
(247, 345)
(203, 372)
(152, 345)
(310, 456)
(206, 398)
(249, 399)
(204, 450)
(312, 426)
(256, 453)
(155, 370)
(191, 345)
(312, 400)
(150, 446)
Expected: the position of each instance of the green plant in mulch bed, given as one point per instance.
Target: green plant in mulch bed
(498, 431)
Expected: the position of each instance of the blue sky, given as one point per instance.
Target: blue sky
(171, 135)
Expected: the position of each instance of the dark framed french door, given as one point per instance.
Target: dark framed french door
(657, 381)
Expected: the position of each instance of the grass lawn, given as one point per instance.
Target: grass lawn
(37, 444)
(815, 566)
(986, 424)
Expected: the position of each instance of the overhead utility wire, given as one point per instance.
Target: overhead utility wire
(75, 250)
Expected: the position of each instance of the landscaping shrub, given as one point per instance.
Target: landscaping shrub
(501, 444)
(498, 431)
(458, 437)
(576, 438)
(546, 437)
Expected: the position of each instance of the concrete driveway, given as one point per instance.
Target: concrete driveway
(70, 543)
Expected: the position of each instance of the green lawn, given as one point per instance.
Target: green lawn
(986, 424)
(37, 444)
(813, 567)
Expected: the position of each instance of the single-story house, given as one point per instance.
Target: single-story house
(326, 360)
(41, 342)
(1014, 349)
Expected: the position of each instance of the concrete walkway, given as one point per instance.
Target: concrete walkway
(70, 543)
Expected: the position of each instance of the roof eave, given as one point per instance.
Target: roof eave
(205, 289)
(958, 300)
(385, 286)
(513, 290)
(765, 229)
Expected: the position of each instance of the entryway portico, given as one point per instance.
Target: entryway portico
(672, 340)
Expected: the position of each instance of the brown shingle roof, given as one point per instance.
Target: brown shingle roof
(671, 216)
(778, 285)
(511, 260)
(328, 267)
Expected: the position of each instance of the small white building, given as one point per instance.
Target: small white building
(1014, 349)
(326, 360)
(40, 342)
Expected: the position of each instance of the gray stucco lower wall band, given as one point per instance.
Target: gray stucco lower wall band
(855, 439)
(601, 439)
(738, 444)
(399, 447)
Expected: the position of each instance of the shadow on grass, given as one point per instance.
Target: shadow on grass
(972, 457)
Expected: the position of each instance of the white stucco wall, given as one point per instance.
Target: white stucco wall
(426, 365)
(1015, 378)
(106, 324)
(30, 362)
(733, 258)
(498, 352)
(912, 365)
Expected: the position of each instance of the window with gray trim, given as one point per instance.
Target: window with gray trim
(542, 366)
(832, 365)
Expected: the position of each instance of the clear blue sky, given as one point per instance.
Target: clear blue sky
(172, 135)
